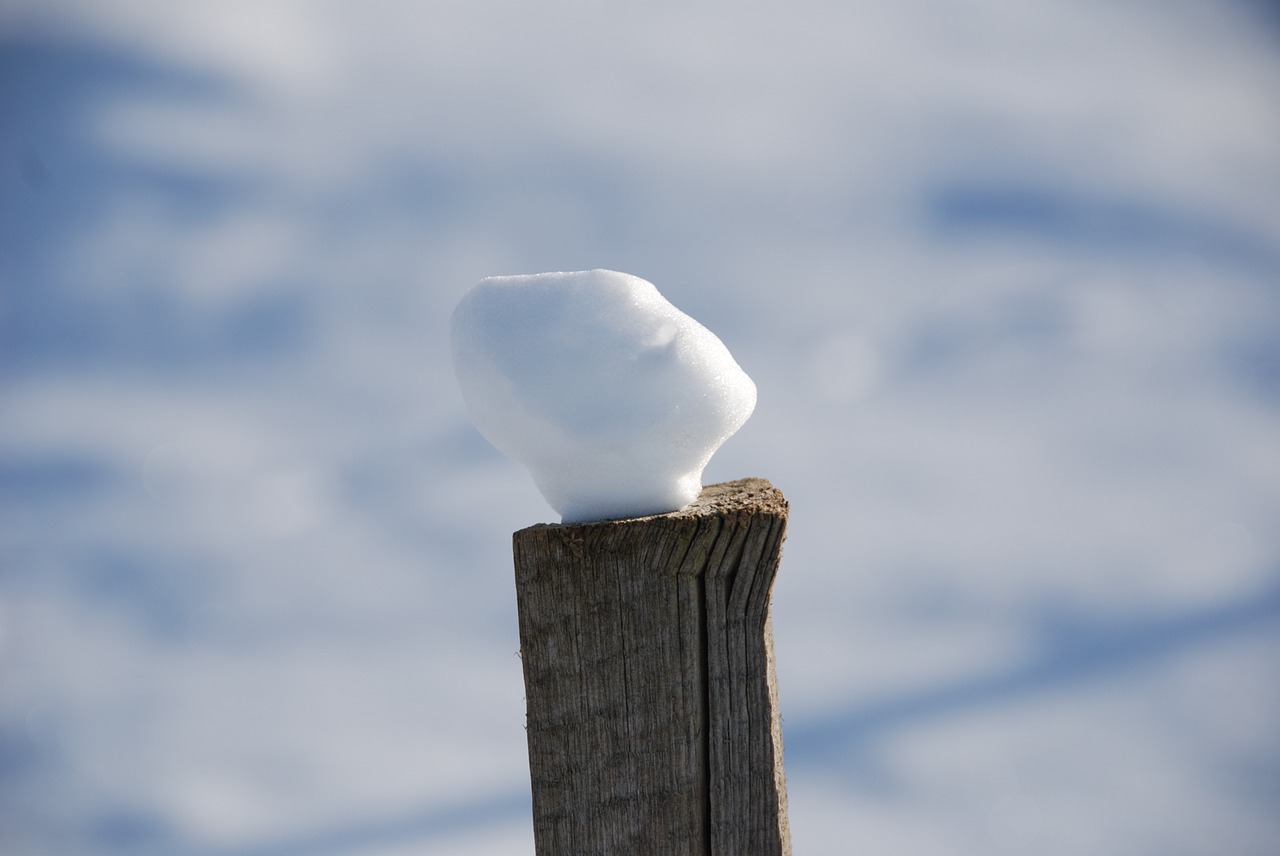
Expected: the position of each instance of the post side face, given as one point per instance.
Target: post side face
(748, 789)
(615, 733)
(653, 724)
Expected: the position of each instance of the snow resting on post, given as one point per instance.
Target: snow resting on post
(612, 397)
(645, 641)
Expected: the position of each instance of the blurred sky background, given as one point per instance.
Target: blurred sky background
(1007, 276)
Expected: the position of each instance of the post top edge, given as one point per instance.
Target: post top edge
(754, 495)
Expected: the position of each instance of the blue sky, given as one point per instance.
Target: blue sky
(1005, 278)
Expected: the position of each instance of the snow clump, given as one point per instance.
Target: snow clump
(614, 399)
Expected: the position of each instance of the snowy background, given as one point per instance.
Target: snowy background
(1007, 275)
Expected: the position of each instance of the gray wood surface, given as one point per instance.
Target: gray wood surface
(653, 720)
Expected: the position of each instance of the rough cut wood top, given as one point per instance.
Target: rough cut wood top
(752, 495)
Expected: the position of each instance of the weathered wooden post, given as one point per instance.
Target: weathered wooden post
(653, 720)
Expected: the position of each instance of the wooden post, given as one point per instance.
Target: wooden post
(653, 719)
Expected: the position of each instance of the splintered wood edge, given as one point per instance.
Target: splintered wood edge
(752, 495)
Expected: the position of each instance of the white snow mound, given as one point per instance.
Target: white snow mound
(614, 399)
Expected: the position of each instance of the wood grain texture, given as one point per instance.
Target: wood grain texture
(653, 720)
